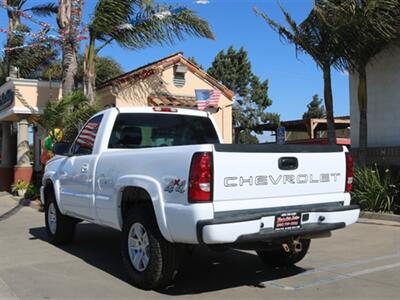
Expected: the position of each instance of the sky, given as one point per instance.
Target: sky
(293, 79)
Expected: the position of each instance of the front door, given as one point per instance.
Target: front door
(77, 173)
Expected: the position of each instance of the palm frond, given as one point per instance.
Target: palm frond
(44, 10)
(144, 25)
(108, 14)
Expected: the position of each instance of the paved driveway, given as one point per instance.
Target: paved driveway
(360, 262)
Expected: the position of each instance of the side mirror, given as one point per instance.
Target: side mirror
(61, 148)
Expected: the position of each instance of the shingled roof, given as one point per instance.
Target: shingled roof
(161, 64)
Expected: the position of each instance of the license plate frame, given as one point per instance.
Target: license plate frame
(288, 221)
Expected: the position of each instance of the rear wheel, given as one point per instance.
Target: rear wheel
(281, 258)
(60, 229)
(151, 261)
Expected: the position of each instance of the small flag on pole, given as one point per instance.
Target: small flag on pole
(207, 98)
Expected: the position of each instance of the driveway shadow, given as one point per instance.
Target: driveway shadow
(201, 271)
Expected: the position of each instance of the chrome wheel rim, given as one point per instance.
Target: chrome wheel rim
(138, 247)
(52, 218)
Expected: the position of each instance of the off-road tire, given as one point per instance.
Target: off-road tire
(65, 226)
(281, 258)
(163, 260)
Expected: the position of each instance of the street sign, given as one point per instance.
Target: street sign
(280, 135)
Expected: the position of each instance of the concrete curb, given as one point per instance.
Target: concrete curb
(380, 216)
(35, 204)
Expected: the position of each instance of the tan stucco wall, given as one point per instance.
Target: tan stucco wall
(106, 97)
(30, 97)
(136, 94)
(35, 96)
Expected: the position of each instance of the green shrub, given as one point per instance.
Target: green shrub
(19, 185)
(374, 190)
(31, 193)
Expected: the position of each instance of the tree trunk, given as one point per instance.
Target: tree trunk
(329, 104)
(68, 19)
(363, 108)
(14, 20)
(236, 134)
(89, 76)
(70, 68)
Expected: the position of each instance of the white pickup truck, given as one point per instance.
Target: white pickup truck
(164, 178)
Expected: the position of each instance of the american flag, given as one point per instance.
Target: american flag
(88, 135)
(206, 98)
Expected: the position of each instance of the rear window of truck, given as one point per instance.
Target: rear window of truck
(138, 130)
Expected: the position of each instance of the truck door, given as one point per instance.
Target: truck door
(76, 175)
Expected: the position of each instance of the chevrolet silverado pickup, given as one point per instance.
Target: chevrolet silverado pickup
(165, 179)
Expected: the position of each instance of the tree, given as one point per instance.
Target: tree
(70, 114)
(314, 37)
(366, 28)
(192, 59)
(28, 59)
(233, 69)
(315, 109)
(68, 20)
(137, 24)
(106, 68)
(246, 137)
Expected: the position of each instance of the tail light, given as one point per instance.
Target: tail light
(349, 172)
(201, 177)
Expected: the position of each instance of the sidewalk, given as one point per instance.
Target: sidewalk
(8, 205)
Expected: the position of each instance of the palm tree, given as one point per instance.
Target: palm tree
(68, 20)
(366, 28)
(315, 38)
(26, 59)
(136, 24)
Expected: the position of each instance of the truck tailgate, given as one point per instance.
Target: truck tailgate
(263, 172)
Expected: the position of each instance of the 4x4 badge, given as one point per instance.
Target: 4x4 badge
(178, 185)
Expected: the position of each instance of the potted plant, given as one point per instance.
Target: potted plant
(20, 187)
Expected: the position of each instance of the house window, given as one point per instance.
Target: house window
(179, 75)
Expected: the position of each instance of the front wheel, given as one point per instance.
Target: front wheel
(281, 258)
(150, 260)
(60, 229)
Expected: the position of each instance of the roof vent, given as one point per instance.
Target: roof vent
(179, 75)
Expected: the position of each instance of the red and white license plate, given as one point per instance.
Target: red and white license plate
(288, 221)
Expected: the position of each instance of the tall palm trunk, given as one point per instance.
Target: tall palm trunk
(89, 76)
(363, 107)
(14, 21)
(65, 21)
(70, 68)
(328, 97)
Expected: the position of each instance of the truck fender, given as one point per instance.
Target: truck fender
(50, 177)
(154, 189)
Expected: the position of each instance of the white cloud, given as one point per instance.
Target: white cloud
(202, 1)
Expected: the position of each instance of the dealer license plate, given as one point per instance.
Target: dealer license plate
(288, 221)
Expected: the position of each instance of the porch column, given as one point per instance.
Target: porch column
(6, 167)
(23, 168)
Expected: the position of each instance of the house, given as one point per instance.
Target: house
(170, 81)
(20, 101)
(383, 81)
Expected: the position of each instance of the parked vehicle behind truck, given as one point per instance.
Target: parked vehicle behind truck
(165, 179)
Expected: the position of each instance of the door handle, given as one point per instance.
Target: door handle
(288, 163)
(84, 168)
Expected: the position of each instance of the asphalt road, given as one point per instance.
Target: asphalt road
(359, 262)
